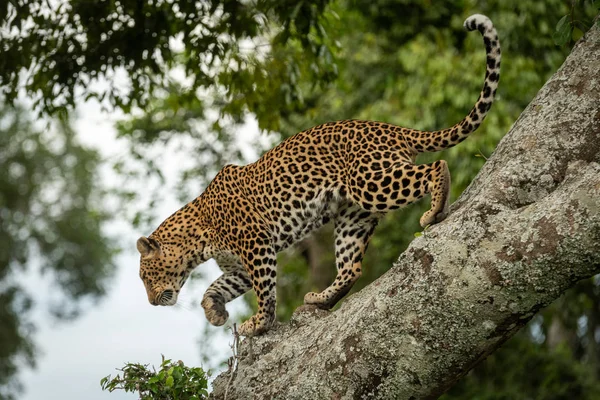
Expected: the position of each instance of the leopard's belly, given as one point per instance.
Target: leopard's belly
(304, 217)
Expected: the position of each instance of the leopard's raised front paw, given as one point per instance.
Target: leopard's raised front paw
(215, 311)
(254, 326)
(216, 317)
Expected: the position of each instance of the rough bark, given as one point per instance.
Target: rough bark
(525, 230)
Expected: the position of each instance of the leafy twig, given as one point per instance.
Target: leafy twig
(172, 381)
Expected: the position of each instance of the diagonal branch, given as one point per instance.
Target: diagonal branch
(526, 229)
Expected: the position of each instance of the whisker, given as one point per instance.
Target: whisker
(189, 300)
(185, 307)
(187, 304)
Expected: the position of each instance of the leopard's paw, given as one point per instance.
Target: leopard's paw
(215, 311)
(312, 298)
(255, 325)
(217, 317)
(317, 299)
(431, 217)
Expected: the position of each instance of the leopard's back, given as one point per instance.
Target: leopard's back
(300, 185)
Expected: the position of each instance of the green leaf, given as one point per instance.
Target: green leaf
(169, 382)
(562, 35)
(577, 34)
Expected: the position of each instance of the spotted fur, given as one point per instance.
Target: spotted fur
(349, 172)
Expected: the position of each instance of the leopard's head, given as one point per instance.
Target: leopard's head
(165, 266)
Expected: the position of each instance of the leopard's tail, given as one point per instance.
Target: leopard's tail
(423, 141)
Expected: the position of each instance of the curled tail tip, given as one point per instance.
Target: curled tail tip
(478, 22)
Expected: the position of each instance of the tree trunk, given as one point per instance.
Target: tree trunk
(559, 335)
(321, 273)
(524, 231)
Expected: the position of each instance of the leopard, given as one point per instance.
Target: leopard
(349, 172)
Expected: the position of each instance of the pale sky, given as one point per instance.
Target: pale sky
(124, 327)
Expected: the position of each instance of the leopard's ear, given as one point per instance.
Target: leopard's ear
(148, 248)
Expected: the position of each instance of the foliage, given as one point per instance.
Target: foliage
(525, 370)
(123, 51)
(51, 218)
(173, 381)
(17, 347)
(572, 26)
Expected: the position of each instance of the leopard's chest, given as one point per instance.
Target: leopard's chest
(301, 217)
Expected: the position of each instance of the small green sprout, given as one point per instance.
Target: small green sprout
(419, 234)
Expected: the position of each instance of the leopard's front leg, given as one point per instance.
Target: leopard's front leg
(233, 283)
(261, 265)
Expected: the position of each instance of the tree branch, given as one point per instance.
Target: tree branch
(526, 229)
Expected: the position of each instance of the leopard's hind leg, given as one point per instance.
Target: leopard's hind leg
(353, 229)
(438, 184)
(402, 184)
